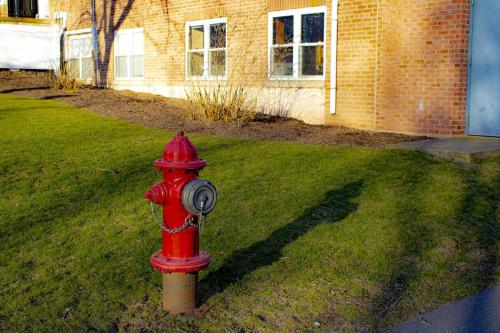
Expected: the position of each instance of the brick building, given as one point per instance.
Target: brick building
(386, 65)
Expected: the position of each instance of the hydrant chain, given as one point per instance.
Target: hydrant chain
(189, 221)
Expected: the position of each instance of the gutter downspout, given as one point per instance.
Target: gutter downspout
(333, 62)
(61, 20)
(95, 45)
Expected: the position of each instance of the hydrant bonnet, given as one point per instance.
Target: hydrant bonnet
(180, 154)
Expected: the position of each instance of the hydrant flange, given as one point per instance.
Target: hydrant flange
(177, 265)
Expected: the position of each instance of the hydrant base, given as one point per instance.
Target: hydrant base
(180, 292)
(180, 265)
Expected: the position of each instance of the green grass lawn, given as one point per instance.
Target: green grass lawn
(350, 238)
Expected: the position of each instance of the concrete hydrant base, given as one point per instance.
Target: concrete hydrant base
(180, 292)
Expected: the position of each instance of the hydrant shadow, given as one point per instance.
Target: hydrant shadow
(336, 206)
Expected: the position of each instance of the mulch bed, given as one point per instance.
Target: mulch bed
(171, 114)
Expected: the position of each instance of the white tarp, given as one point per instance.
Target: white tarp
(29, 46)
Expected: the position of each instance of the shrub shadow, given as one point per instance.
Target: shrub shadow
(57, 96)
(9, 91)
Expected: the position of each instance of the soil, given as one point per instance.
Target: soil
(172, 114)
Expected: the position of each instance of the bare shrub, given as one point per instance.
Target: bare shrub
(228, 96)
(279, 100)
(65, 79)
(219, 102)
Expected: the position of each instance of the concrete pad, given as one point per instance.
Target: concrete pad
(475, 314)
(462, 149)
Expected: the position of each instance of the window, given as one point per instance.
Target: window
(22, 8)
(297, 43)
(206, 49)
(79, 55)
(129, 50)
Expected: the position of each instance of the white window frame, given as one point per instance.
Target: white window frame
(129, 69)
(77, 34)
(206, 49)
(297, 30)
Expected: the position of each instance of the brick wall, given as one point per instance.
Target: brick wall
(356, 56)
(422, 66)
(4, 10)
(402, 65)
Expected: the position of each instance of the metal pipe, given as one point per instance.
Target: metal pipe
(95, 43)
(180, 292)
(333, 61)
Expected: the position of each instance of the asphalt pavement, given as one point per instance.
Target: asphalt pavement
(475, 314)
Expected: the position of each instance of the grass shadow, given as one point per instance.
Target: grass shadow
(336, 206)
(102, 187)
(475, 230)
(478, 221)
(416, 238)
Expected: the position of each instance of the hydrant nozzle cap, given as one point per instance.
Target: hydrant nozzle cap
(180, 153)
(149, 195)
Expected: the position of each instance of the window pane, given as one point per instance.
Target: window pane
(283, 30)
(282, 61)
(138, 43)
(195, 64)
(121, 66)
(75, 45)
(218, 35)
(87, 47)
(196, 38)
(313, 28)
(217, 63)
(136, 66)
(124, 44)
(87, 68)
(73, 68)
(311, 60)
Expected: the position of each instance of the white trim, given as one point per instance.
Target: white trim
(206, 22)
(333, 58)
(291, 12)
(129, 77)
(297, 25)
(78, 32)
(206, 48)
(128, 31)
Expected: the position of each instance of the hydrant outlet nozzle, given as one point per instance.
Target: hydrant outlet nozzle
(157, 194)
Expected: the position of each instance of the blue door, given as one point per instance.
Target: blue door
(484, 75)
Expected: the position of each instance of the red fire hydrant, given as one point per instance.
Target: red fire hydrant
(186, 201)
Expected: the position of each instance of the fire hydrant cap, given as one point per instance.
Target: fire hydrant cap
(180, 154)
